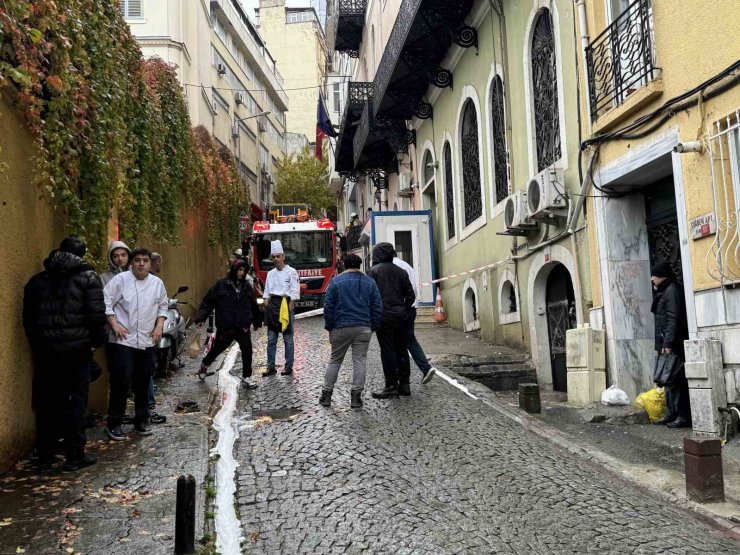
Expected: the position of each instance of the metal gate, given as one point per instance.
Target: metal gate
(558, 323)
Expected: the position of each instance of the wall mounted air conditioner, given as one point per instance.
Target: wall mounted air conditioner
(221, 68)
(264, 168)
(516, 217)
(546, 198)
(270, 179)
(235, 131)
(261, 125)
(239, 97)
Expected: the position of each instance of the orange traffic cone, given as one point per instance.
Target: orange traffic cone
(439, 309)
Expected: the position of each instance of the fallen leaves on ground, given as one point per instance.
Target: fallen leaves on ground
(262, 421)
(6, 522)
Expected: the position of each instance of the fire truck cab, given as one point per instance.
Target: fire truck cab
(310, 247)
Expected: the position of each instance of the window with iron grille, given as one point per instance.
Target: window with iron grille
(472, 201)
(131, 9)
(498, 129)
(449, 199)
(545, 91)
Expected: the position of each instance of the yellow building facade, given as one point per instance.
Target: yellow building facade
(660, 103)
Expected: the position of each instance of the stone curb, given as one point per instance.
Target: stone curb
(594, 456)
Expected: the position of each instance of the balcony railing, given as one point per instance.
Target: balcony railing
(621, 59)
(358, 94)
(259, 53)
(350, 19)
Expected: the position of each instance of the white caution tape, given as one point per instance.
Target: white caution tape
(467, 272)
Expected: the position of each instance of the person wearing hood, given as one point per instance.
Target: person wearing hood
(64, 320)
(236, 308)
(352, 312)
(398, 298)
(671, 330)
(282, 289)
(118, 260)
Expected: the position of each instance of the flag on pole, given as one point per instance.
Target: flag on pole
(324, 127)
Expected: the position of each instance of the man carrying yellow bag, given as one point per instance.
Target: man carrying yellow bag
(653, 402)
(282, 289)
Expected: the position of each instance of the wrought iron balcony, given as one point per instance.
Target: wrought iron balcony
(358, 93)
(621, 59)
(350, 16)
(422, 34)
(378, 140)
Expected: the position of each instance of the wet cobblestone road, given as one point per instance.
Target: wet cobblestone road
(438, 472)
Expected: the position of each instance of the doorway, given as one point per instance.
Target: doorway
(561, 316)
(661, 218)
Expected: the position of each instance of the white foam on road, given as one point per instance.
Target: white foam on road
(454, 382)
(228, 527)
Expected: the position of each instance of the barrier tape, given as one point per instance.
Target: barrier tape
(467, 272)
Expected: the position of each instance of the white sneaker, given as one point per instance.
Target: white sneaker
(429, 375)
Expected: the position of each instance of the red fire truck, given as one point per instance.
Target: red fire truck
(310, 247)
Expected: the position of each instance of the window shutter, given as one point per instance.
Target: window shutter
(122, 5)
(135, 8)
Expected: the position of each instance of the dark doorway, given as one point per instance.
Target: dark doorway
(662, 225)
(561, 316)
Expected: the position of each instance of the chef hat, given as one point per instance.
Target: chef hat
(276, 247)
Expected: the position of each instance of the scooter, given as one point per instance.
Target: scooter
(173, 334)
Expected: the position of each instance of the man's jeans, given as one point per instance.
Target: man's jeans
(61, 384)
(394, 353)
(127, 368)
(357, 337)
(272, 338)
(415, 350)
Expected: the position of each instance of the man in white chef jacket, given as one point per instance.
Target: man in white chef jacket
(282, 284)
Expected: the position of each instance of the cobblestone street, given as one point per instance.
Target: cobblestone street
(438, 472)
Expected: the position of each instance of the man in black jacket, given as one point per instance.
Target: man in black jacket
(398, 299)
(236, 309)
(64, 320)
(671, 330)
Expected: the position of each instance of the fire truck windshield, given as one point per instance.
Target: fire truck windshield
(303, 250)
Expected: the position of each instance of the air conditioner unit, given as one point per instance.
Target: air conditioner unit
(264, 168)
(235, 131)
(261, 126)
(516, 217)
(221, 68)
(239, 97)
(270, 179)
(546, 195)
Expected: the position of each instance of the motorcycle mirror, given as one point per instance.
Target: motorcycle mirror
(182, 289)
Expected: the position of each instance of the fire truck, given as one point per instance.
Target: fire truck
(310, 247)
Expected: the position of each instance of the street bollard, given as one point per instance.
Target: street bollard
(529, 397)
(185, 516)
(703, 464)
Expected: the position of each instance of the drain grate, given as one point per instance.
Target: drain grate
(276, 414)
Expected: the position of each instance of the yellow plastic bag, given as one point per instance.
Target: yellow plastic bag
(653, 402)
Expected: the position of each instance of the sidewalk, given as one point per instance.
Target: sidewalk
(126, 502)
(623, 441)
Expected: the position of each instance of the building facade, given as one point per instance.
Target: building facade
(296, 38)
(231, 80)
(661, 115)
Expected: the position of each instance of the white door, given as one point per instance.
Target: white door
(405, 238)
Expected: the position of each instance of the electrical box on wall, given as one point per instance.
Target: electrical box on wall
(585, 355)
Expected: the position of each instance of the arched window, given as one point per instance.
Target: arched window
(428, 169)
(500, 152)
(472, 201)
(545, 92)
(449, 202)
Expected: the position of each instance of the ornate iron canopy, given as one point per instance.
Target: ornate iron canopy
(422, 34)
(378, 141)
(350, 16)
(358, 93)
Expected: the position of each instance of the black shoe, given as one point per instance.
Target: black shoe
(115, 433)
(679, 423)
(428, 375)
(44, 465)
(246, 384)
(142, 429)
(356, 402)
(127, 419)
(386, 393)
(156, 418)
(325, 399)
(270, 371)
(287, 371)
(665, 420)
(404, 389)
(82, 462)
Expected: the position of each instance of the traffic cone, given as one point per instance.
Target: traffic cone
(439, 309)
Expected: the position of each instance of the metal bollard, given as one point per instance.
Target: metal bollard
(703, 467)
(529, 397)
(185, 516)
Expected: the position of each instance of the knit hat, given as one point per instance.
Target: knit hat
(661, 269)
(276, 247)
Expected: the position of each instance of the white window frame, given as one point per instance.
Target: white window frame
(125, 10)
(507, 276)
(449, 242)
(497, 208)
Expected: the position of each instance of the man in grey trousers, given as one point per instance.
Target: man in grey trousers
(352, 311)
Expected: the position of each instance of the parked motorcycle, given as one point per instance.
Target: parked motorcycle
(171, 345)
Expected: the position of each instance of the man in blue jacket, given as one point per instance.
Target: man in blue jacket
(352, 312)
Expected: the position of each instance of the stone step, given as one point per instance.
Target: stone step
(425, 325)
(504, 377)
(496, 358)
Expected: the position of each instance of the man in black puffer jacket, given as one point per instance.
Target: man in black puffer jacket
(236, 309)
(64, 319)
(398, 299)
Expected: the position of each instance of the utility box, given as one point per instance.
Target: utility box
(705, 374)
(585, 356)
